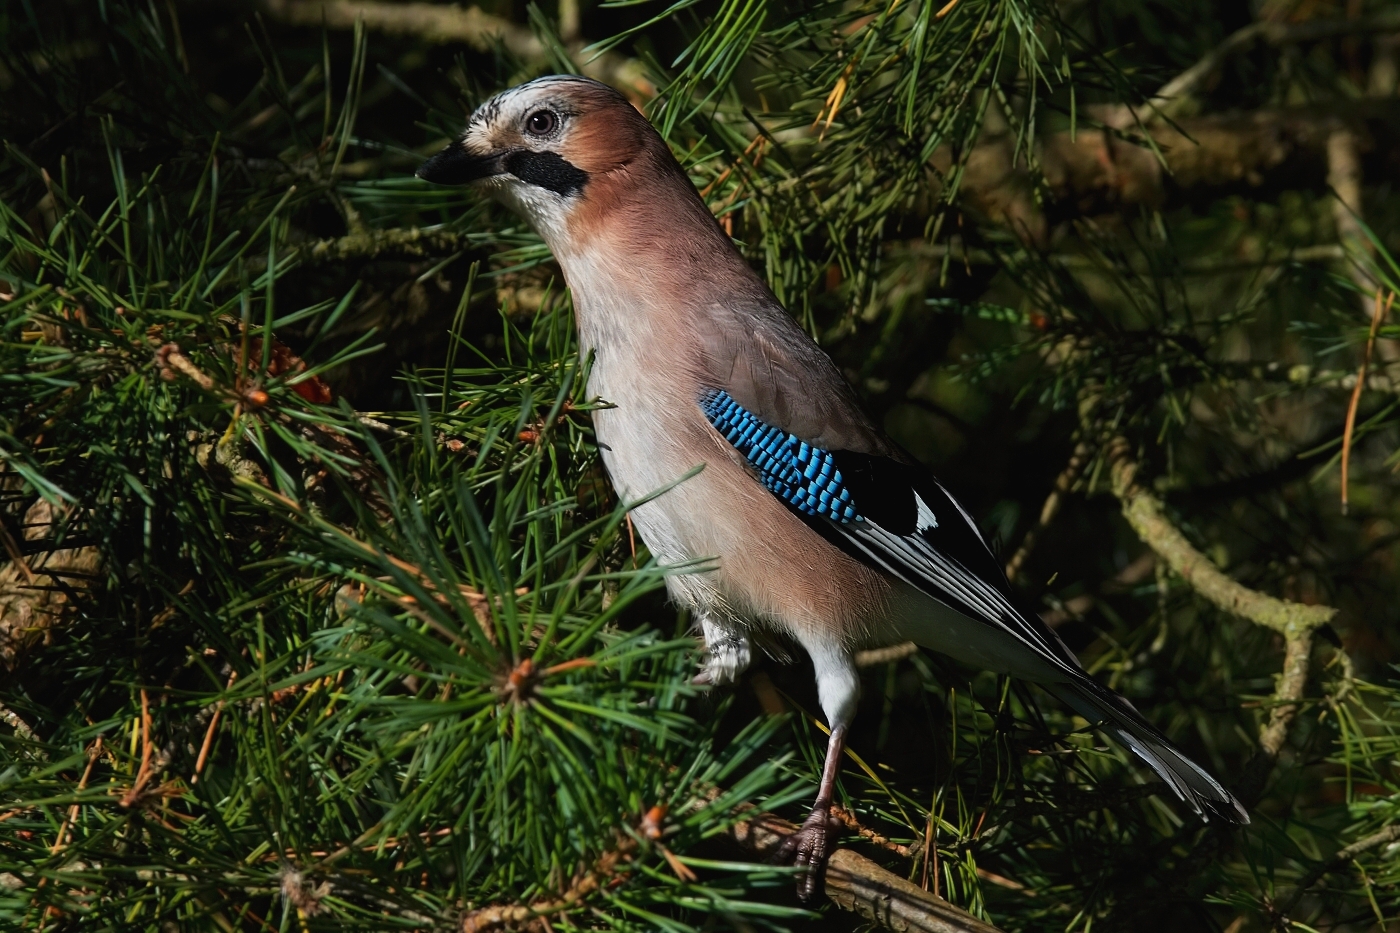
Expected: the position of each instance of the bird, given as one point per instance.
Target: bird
(813, 522)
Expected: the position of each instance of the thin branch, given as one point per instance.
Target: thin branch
(1050, 509)
(449, 23)
(427, 21)
(1288, 695)
(534, 917)
(1098, 172)
(10, 718)
(94, 752)
(400, 242)
(1340, 860)
(1295, 621)
(1145, 513)
(873, 657)
(1170, 97)
(1376, 317)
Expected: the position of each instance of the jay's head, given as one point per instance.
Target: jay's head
(561, 151)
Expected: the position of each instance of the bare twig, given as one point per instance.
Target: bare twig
(208, 742)
(427, 21)
(1063, 483)
(94, 752)
(1343, 857)
(1170, 97)
(1344, 178)
(143, 775)
(1381, 309)
(848, 819)
(10, 718)
(404, 242)
(532, 917)
(171, 360)
(1110, 171)
(876, 656)
(1288, 694)
(450, 23)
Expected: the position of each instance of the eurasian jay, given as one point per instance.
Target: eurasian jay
(817, 524)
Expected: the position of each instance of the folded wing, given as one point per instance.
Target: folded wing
(891, 514)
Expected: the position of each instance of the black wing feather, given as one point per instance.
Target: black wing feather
(896, 517)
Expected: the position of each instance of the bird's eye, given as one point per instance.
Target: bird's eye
(541, 123)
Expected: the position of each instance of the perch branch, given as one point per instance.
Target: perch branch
(855, 883)
(873, 657)
(403, 242)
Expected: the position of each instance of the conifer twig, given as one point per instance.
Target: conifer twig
(143, 774)
(93, 753)
(208, 742)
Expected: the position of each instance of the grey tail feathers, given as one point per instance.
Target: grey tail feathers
(1119, 719)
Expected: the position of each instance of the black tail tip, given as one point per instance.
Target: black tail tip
(1229, 811)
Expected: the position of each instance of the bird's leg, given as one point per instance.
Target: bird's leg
(727, 649)
(809, 846)
(838, 689)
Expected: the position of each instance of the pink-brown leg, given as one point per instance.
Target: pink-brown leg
(808, 848)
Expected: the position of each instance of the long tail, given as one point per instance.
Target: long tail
(1119, 719)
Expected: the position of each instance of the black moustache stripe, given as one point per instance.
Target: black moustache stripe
(547, 170)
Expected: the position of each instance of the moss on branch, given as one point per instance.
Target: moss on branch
(1145, 513)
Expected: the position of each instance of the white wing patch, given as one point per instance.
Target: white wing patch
(916, 561)
(926, 521)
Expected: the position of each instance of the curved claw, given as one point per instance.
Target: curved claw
(808, 849)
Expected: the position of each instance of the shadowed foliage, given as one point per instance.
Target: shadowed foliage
(317, 610)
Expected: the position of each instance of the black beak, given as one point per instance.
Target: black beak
(455, 166)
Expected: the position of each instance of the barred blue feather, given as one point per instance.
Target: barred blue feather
(803, 476)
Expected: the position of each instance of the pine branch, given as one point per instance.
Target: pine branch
(1147, 516)
(450, 23)
(1172, 96)
(1344, 857)
(1158, 164)
(855, 883)
(430, 22)
(1295, 621)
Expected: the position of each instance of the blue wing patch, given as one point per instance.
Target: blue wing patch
(803, 476)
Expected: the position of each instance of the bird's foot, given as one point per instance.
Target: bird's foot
(808, 849)
(728, 657)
